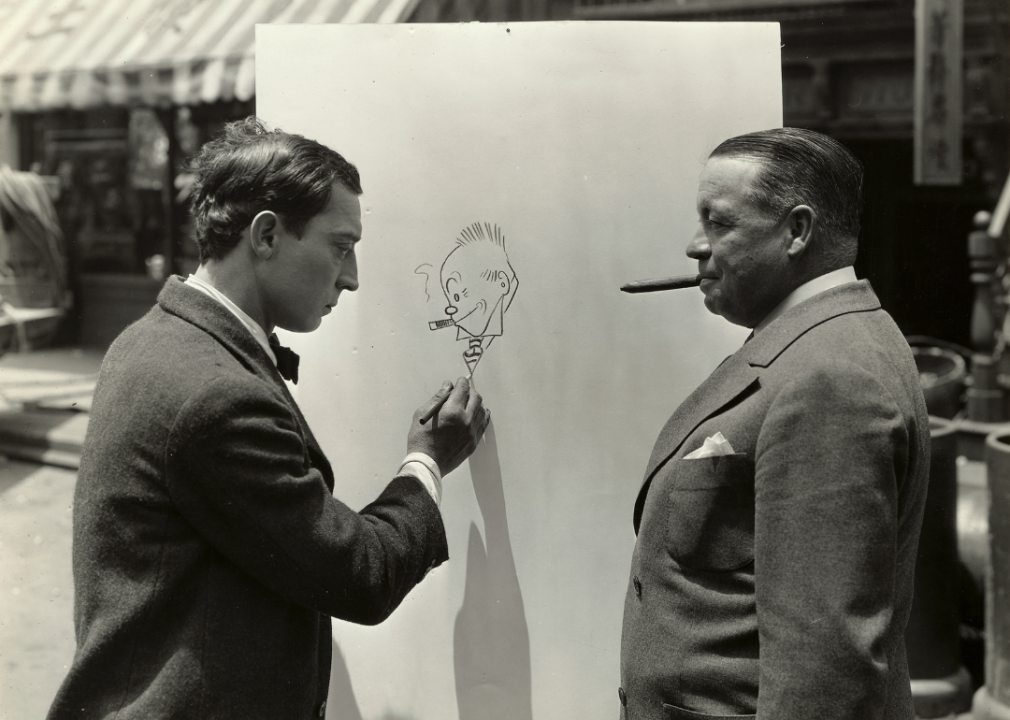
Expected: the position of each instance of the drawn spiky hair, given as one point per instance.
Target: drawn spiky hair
(481, 232)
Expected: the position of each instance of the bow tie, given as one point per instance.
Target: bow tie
(287, 359)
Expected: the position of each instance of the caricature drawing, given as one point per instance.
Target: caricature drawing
(479, 284)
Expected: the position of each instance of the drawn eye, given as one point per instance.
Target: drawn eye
(455, 297)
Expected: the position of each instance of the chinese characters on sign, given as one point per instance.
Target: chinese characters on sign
(938, 85)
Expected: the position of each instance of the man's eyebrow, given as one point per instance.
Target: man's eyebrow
(342, 236)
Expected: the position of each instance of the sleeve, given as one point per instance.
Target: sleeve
(825, 546)
(239, 471)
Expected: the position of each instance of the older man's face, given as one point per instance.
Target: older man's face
(741, 251)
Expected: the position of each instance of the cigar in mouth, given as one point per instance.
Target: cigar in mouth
(674, 283)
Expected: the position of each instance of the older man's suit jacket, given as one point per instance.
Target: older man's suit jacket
(209, 552)
(776, 582)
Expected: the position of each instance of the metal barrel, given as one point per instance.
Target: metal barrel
(992, 701)
(940, 684)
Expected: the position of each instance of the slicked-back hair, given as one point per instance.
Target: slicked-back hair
(803, 167)
(250, 168)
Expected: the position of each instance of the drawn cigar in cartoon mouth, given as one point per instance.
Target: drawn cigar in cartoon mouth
(439, 324)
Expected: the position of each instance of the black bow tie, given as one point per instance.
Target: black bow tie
(287, 359)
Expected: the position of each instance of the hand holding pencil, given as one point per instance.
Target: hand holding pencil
(448, 427)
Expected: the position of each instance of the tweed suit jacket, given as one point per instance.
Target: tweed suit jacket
(775, 583)
(209, 551)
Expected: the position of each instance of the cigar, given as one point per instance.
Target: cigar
(674, 283)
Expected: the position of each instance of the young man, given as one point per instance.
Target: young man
(209, 551)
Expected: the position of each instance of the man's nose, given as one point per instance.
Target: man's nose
(699, 247)
(348, 277)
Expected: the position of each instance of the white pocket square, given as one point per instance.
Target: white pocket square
(715, 445)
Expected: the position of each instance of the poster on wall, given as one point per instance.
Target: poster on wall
(515, 176)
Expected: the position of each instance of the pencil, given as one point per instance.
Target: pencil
(674, 283)
(438, 405)
(435, 408)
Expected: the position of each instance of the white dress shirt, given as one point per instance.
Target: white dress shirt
(417, 465)
(806, 291)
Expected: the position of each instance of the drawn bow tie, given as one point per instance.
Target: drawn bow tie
(287, 359)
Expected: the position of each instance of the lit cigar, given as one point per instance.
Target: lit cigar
(674, 283)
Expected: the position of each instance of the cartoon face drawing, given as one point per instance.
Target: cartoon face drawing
(475, 280)
(479, 284)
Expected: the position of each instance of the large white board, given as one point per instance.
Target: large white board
(582, 143)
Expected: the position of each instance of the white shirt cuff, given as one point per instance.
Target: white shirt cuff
(421, 466)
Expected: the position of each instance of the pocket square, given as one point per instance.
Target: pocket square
(715, 445)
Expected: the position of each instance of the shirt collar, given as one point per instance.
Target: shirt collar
(251, 325)
(806, 291)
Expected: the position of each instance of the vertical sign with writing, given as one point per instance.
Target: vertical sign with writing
(939, 38)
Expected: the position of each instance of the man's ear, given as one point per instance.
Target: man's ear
(799, 229)
(263, 234)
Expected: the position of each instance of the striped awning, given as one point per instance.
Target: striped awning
(88, 53)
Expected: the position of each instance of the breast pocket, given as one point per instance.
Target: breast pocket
(671, 712)
(710, 521)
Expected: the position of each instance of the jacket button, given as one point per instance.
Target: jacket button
(623, 696)
(638, 586)
(322, 709)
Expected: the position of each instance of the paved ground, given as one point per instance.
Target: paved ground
(44, 400)
(36, 587)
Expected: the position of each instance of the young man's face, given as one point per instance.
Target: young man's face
(306, 275)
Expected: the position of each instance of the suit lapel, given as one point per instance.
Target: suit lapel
(726, 382)
(738, 374)
(316, 455)
(779, 335)
(210, 316)
(730, 380)
(215, 319)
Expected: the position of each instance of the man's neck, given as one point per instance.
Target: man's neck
(234, 283)
(807, 290)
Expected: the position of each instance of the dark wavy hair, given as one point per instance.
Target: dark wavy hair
(250, 168)
(803, 167)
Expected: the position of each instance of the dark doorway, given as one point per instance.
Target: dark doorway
(913, 244)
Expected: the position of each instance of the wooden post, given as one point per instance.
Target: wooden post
(987, 399)
(939, 77)
(167, 118)
(9, 140)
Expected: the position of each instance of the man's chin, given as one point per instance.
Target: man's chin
(713, 305)
(305, 326)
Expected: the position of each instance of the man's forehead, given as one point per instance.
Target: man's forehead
(728, 179)
(342, 214)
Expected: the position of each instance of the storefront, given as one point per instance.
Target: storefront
(108, 99)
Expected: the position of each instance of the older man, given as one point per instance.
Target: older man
(772, 574)
(209, 552)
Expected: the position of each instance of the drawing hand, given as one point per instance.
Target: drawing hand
(455, 428)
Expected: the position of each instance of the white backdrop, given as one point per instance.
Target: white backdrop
(583, 142)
